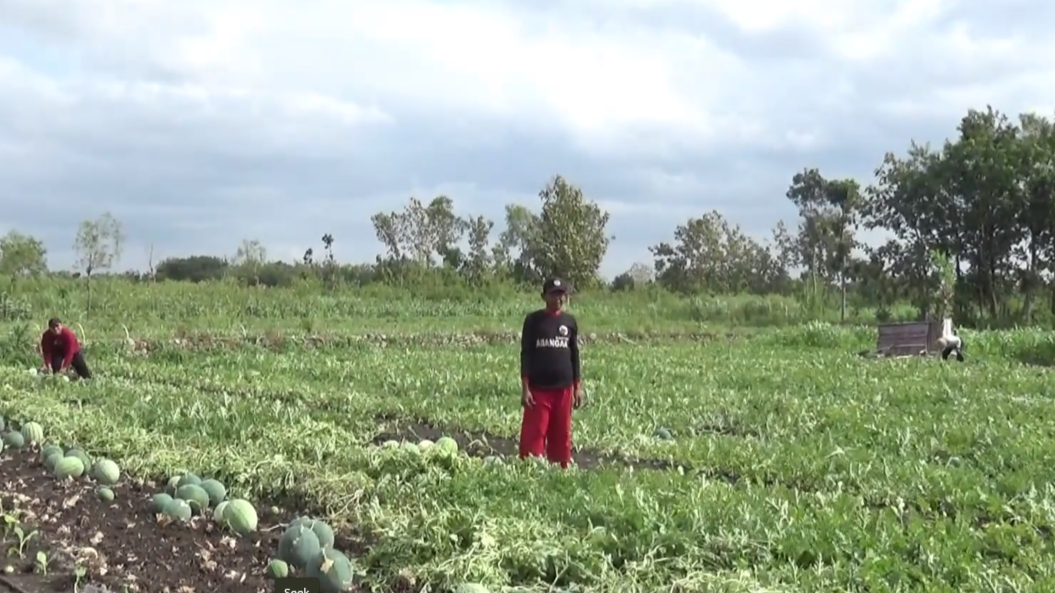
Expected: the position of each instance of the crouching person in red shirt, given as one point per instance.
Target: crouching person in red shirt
(61, 350)
(551, 377)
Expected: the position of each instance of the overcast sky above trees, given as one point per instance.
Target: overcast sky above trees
(199, 123)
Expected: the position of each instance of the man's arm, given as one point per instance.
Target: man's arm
(527, 345)
(573, 346)
(45, 349)
(71, 347)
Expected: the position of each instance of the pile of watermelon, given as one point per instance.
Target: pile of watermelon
(70, 464)
(306, 547)
(443, 447)
(188, 496)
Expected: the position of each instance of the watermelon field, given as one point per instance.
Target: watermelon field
(724, 457)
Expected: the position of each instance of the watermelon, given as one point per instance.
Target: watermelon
(52, 459)
(47, 450)
(216, 491)
(188, 478)
(158, 502)
(663, 434)
(32, 433)
(334, 571)
(69, 467)
(425, 445)
(106, 472)
(14, 440)
(323, 531)
(170, 488)
(104, 494)
(79, 454)
(240, 516)
(277, 569)
(195, 495)
(447, 445)
(177, 510)
(299, 546)
(386, 445)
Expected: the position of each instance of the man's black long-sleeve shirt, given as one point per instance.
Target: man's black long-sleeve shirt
(549, 350)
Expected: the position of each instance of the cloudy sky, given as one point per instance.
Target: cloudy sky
(200, 123)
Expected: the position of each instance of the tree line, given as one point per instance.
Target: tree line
(971, 227)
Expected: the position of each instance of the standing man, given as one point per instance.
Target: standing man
(61, 350)
(551, 377)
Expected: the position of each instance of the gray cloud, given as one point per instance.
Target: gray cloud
(194, 154)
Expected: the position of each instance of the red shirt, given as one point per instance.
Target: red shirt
(64, 342)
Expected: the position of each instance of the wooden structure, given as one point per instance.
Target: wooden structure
(912, 338)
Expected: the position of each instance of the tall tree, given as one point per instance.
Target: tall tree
(570, 239)
(99, 244)
(709, 254)
(478, 263)
(22, 255)
(982, 173)
(1036, 210)
(512, 253)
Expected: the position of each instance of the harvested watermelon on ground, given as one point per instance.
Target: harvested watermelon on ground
(240, 516)
(216, 491)
(277, 569)
(32, 433)
(69, 467)
(106, 472)
(322, 530)
(299, 546)
(14, 439)
(334, 571)
(188, 478)
(177, 510)
(104, 494)
(170, 487)
(52, 459)
(447, 445)
(48, 450)
(79, 454)
(158, 502)
(217, 513)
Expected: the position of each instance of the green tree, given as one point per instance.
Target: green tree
(570, 239)
(22, 255)
(1036, 207)
(709, 254)
(512, 252)
(478, 262)
(250, 258)
(195, 268)
(982, 175)
(99, 244)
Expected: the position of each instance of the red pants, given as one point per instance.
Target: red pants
(547, 426)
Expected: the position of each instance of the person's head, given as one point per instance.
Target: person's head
(54, 325)
(555, 293)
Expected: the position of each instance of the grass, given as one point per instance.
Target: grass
(224, 308)
(795, 464)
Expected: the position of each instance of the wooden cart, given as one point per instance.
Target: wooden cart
(911, 338)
